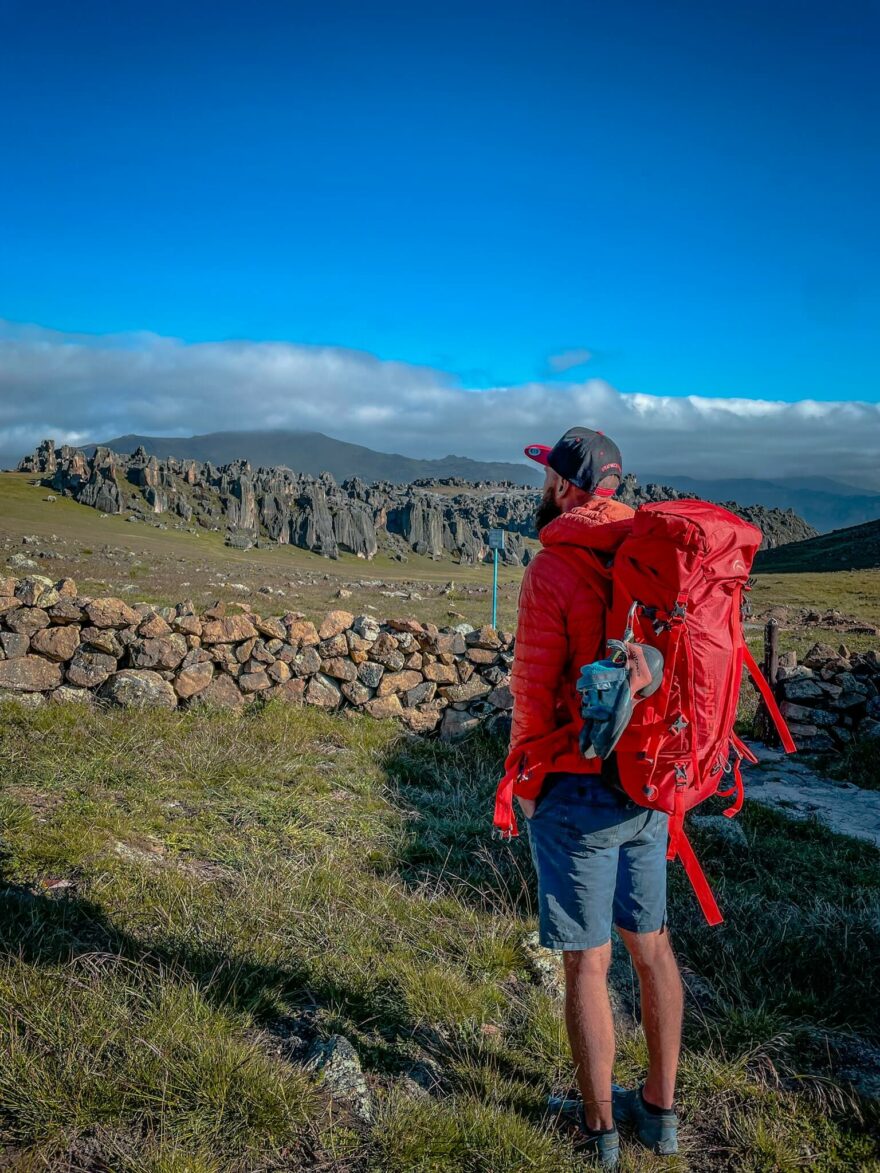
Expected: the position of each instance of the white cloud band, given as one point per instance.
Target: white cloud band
(76, 388)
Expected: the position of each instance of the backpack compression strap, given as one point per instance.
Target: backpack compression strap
(680, 845)
(695, 874)
(769, 700)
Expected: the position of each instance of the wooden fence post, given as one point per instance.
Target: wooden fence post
(764, 727)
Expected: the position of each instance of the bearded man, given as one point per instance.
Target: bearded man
(600, 859)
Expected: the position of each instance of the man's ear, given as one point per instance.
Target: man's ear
(564, 490)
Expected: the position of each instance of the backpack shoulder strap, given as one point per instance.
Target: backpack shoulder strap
(769, 700)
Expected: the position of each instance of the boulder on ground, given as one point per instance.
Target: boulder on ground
(139, 688)
(323, 691)
(728, 829)
(386, 706)
(27, 700)
(29, 674)
(67, 695)
(193, 679)
(221, 693)
(336, 1065)
(292, 692)
(456, 724)
(421, 721)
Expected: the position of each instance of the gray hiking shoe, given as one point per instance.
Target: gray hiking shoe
(656, 1130)
(602, 1147)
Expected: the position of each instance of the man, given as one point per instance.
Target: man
(599, 857)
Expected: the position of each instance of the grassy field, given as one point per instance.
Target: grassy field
(184, 896)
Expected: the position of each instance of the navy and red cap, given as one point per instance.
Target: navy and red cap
(583, 457)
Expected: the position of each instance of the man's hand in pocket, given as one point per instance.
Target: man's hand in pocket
(527, 806)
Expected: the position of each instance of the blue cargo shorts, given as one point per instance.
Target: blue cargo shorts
(600, 858)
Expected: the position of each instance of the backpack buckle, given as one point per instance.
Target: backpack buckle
(681, 774)
(678, 724)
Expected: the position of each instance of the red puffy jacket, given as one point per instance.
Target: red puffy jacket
(561, 626)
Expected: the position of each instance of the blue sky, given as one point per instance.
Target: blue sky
(687, 192)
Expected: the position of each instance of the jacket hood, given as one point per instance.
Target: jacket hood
(599, 525)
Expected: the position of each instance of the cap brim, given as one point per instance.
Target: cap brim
(538, 453)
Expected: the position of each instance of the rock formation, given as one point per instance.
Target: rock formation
(445, 519)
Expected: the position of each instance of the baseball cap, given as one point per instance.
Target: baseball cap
(583, 457)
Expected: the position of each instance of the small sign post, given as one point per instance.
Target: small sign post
(496, 543)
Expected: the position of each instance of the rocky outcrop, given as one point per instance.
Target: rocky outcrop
(446, 519)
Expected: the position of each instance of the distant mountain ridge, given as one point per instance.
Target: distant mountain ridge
(854, 548)
(825, 503)
(314, 453)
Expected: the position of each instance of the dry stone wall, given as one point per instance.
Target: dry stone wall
(830, 697)
(57, 646)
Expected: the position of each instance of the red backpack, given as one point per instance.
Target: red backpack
(678, 580)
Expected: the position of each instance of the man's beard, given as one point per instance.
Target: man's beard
(547, 509)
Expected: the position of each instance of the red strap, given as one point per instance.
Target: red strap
(736, 806)
(743, 748)
(699, 883)
(505, 819)
(769, 700)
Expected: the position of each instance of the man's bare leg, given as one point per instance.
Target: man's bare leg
(662, 1005)
(591, 1029)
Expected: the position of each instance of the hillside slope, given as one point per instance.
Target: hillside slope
(854, 548)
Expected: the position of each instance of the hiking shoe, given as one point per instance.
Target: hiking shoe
(602, 1147)
(658, 1130)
